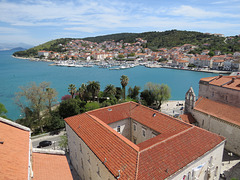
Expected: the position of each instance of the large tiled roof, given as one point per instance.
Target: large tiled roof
(222, 111)
(155, 157)
(231, 82)
(14, 150)
(50, 166)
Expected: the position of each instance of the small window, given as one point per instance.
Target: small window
(82, 163)
(98, 170)
(89, 158)
(80, 148)
(143, 132)
(134, 127)
(118, 129)
(134, 140)
(153, 135)
(216, 171)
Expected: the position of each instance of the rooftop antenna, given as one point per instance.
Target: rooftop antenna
(119, 174)
(105, 161)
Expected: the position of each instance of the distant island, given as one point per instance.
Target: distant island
(175, 49)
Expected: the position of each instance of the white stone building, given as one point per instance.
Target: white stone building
(131, 141)
(218, 108)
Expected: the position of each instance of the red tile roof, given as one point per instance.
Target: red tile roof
(50, 166)
(231, 82)
(150, 158)
(222, 111)
(14, 152)
(188, 118)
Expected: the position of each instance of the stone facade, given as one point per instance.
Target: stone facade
(216, 125)
(84, 161)
(218, 93)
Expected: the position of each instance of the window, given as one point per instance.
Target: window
(80, 148)
(216, 171)
(153, 135)
(118, 129)
(143, 132)
(82, 163)
(98, 170)
(89, 158)
(134, 140)
(134, 127)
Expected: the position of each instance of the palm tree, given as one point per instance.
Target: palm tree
(110, 90)
(124, 82)
(93, 87)
(82, 91)
(72, 89)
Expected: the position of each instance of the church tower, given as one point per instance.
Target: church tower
(190, 99)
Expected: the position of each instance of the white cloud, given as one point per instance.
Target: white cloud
(189, 11)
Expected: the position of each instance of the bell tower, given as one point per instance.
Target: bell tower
(190, 99)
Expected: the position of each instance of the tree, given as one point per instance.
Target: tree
(109, 91)
(93, 87)
(72, 89)
(32, 102)
(69, 108)
(118, 92)
(134, 92)
(124, 82)
(3, 111)
(82, 92)
(63, 143)
(91, 106)
(51, 98)
(157, 92)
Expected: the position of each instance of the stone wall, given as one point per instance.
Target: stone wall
(87, 165)
(220, 94)
(230, 131)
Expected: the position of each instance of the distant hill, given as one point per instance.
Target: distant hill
(9, 46)
(155, 40)
(18, 49)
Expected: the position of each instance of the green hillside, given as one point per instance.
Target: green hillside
(54, 45)
(155, 40)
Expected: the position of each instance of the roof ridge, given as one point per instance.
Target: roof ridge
(173, 136)
(48, 151)
(125, 140)
(14, 124)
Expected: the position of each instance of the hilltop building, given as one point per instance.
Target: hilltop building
(218, 108)
(20, 161)
(131, 141)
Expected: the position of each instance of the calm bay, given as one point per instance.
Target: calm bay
(20, 72)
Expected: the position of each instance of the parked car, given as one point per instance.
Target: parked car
(44, 143)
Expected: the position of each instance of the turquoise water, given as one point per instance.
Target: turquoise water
(17, 72)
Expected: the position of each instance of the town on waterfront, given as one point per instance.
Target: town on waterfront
(121, 55)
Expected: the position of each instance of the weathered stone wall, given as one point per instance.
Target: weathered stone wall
(230, 131)
(85, 162)
(220, 94)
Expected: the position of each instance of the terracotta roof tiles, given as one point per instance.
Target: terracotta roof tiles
(177, 145)
(50, 166)
(14, 152)
(222, 111)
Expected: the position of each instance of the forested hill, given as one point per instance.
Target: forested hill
(169, 39)
(155, 40)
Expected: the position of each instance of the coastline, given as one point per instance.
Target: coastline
(54, 62)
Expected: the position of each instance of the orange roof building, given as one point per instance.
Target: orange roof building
(218, 108)
(18, 161)
(14, 151)
(131, 141)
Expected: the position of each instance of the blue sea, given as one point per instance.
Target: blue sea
(18, 72)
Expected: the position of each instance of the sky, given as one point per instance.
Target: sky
(37, 21)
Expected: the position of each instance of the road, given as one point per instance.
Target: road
(54, 138)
